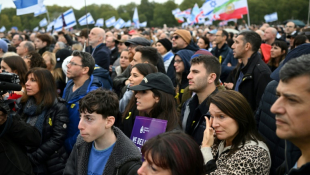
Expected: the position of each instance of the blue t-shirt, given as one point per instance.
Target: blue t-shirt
(98, 159)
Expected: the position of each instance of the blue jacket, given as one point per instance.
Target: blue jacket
(73, 108)
(103, 76)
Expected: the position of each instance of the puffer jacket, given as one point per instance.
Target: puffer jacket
(51, 153)
(125, 158)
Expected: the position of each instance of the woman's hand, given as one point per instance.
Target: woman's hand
(208, 135)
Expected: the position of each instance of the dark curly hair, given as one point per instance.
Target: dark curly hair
(36, 60)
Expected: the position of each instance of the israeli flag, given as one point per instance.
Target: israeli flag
(175, 11)
(99, 22)
(110, 22)
(143, 24)
(41, 11)
(2, 29)
(27, 6)
(128, 23)
(69, 20)
(135, 18)
(43, 22)
(50, 26)
(35, 29)
(271, 17)
(119, 23)
(208, 8)
(86, 19)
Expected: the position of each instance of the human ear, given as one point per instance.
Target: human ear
(212, 78)
(156, 99)
(110, 120)
(85, 70)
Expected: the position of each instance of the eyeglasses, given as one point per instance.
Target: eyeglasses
(175, 37)
(74, 64)
(120, 44)
(178, 61)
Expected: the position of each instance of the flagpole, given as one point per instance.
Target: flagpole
(84, 49)
(249, 23)
(308, 14)
(48, 16)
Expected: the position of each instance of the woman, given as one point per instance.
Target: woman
(124, 63)
(182, 65)
(277, 54)
(299, 40)
(41, 108)
(59, 45)
(127, 104)
(155, 99)
(203, 43)
(50, 60)
(164, 47)
(238, 148)
(15, 64)
(171, 153)
(34, 59)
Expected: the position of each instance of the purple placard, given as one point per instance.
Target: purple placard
(145, 128)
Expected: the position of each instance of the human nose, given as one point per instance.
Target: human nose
(214, 122)
(81, 126)
(277, 107)
(137, 95)
(141, 170)
(189, 76)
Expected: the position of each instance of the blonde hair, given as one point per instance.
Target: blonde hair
(77, 46)
(52, 58)
(8, 54)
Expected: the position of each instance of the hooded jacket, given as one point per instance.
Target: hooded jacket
(191, 46)
(103, 76)
(125, 158)
(91, 84)
(185, 55)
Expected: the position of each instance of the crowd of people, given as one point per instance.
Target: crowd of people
(235, 99)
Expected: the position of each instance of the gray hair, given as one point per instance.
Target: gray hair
(29, 45)
(61, 45)
(296, 67)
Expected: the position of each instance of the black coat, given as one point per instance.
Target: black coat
(114, 55)
(256, 76)
(266, 125)
(101, 55)
(51, 153)
(13, 142)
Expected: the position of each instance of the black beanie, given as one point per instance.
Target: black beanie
(166, 43)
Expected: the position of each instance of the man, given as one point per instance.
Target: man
(80, 71)
(292, 114)
(204, 74)
(261, 34)
(182, 39)
(100, 52)
(290, 30)
(253, 74)
(265, 119)
(270, 35)
(32, 37)
(102, 148)
(83, 39)
(42, 43)
(162, 36)
(17, 39)
(111, 44)
(224, 53)
(65, 38)
(3, 48)
(211, 37)
(120, 47)
(24, 48)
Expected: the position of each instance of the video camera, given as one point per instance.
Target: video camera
(9, 82)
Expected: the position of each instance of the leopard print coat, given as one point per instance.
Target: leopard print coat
(252, 158)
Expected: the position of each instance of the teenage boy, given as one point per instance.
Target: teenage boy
(101, 148)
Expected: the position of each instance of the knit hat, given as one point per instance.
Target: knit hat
(297, 52)
(201, 52)
(3, 46)
(61, 55)
(157, 81)
(184, 34)
(166, 43)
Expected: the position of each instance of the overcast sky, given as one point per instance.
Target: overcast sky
(78, 4)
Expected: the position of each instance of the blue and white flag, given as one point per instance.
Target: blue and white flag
(143, 24)
(2, 29)
(175, 11)
(0, 7)
(41, 11)
(135, 18)
(43, 22)
(110, 22)
(128, 23)
(27, 6)
(271, 17)
(69, 20)
(99, 22)
(86, 19)
(119, 23)
(50, 26)
(35, 29)
(184, 24)
(208, 8)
